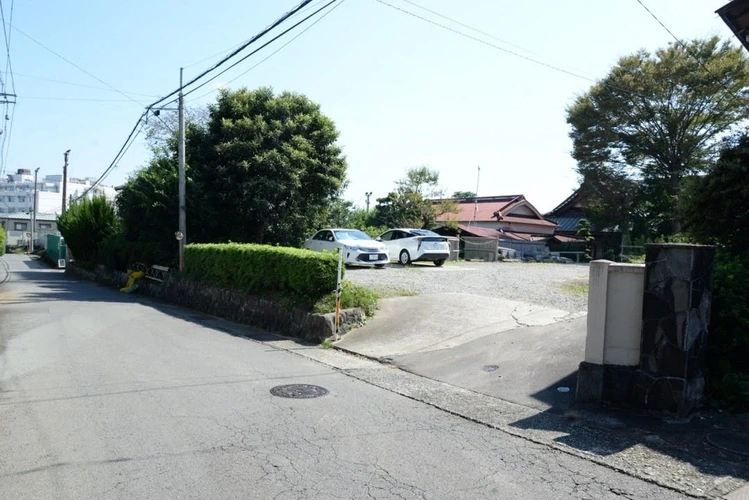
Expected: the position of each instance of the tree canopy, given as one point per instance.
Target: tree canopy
(462, 195)
(656, 119)
(415, 202)
(261, 167)
(717, 207)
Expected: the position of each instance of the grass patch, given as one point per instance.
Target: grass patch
(400, 292)
(326, 344)
(351, 296)
(578, 288)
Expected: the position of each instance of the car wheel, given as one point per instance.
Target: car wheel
(380, 266)
(438, 263)
(404, 258)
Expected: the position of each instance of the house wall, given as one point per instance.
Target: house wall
(519, 227)
(20, 237)
(521, 210)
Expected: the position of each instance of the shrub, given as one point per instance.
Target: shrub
(351, 296)
(86, 224)
(2, 241)
(302, 276)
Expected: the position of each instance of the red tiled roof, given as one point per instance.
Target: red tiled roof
(483, 232)
(485, 208)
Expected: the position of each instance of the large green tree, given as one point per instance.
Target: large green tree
(261, 168)
(270, 165)
(655, 119)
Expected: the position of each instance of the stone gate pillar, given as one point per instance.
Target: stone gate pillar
(675, 317)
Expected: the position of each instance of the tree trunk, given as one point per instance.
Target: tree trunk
(675, 185)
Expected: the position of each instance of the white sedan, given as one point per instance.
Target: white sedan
(411, 245)
(358, 247)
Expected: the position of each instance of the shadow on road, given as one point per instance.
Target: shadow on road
(606, 431)
(53, 285)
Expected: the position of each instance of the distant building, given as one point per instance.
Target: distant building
(18, 228)
(505, 217)
(568, 215)
(512, 219)
(17, 192)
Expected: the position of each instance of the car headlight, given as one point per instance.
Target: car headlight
(349, 249)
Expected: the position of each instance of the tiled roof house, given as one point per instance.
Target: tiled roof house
(510, 217)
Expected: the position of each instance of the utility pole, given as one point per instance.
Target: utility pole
(181, 162)
(65, 181)
(368, 194)
(33, 215)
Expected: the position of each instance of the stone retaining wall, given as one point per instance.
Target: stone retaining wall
(233, 305)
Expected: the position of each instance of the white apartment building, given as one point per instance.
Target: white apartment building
(17, 192)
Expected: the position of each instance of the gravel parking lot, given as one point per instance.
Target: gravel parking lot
(562, 286)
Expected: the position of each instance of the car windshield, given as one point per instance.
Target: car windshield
(424, 232)
(351, 234)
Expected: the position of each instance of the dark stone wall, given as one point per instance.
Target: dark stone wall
(233, 305)
(676, 314)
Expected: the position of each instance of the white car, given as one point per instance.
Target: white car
(358, 248)
(412, 245)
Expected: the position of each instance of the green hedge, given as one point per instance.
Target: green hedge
(729, 331)
(302, 276)
(2, 241)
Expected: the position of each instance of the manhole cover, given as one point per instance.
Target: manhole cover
(734, 442)
(491, 368)
(299, 391)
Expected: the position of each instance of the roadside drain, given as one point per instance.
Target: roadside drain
(299, 391)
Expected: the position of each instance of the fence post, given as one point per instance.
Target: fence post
(338, 293)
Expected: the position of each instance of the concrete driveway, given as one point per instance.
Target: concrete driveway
(516, 351)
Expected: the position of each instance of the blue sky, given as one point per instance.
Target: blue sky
(401, 91)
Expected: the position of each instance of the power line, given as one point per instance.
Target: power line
(261, 47)
(690, 53)
(275, 51)
(511, 52)
(63, 82)
(238, 44)
(223, 61)
(128, 142)
(136, 129)
(7, 34)
(7, 127)
(46, 98)
(76, 66)
(467, 26)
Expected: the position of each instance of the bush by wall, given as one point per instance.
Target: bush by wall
(2, 241)
(299, 275)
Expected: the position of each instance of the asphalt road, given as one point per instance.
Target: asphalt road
(103, 395)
